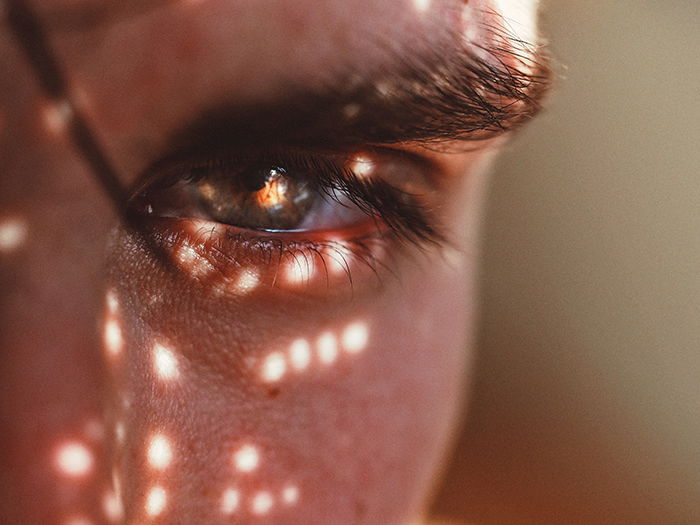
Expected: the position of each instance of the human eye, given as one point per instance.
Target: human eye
(298, 219)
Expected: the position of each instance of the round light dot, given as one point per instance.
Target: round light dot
(421, 5)
(327, 348)
(262, 503)
(274, 367)
(230, 500)
(300, 354)
(299, 270)
(156, 501)
(112, 507)
(160, 453)
(113, 338)
(248, 280)
(165, 362)
(355, 336)
(74, 459)
(246, 459)
(13, 233)
(290, 494)
(57, 116)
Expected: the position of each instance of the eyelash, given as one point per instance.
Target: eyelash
(399, 216)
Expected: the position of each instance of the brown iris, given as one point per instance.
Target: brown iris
(264, 198)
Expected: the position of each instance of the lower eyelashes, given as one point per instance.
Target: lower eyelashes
(296, 222)
(230, 261)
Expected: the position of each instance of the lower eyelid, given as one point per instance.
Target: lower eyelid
(229, 261)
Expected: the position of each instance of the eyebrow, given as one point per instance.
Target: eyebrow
(448, 92)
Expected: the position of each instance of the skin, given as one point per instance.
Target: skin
(356, 438)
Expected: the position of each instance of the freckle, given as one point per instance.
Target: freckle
(248, 280)
(355, 337)
(74, 459)
(262, 503)
(230, 500)
(165, 363)
(113, 337)
(421, 5)
(300, 354)
(112, 507)
(274, 367)
(156, 501)
(246, 459)
(57, 116)
(290, 494)
(159, 452)
(13, 234)
(327, 348)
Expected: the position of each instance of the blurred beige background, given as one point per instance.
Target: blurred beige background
(587, 403)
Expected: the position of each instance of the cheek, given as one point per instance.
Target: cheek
(287, 411)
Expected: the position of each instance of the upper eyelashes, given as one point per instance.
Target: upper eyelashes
(291, 191)
(289, 217)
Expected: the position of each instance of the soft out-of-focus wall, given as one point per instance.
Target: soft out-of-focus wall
(586, 407)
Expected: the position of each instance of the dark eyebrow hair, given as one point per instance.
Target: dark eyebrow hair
(447, 92)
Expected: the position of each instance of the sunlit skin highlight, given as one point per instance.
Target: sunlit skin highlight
(355, 337)
(160, 452)
(74, 459)
(246, 459)
(300, 354)
(327, 348)
(165, 363)
(113, 337)
(274, 367)
(262, 503)
(230, 501)
(13, 234)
